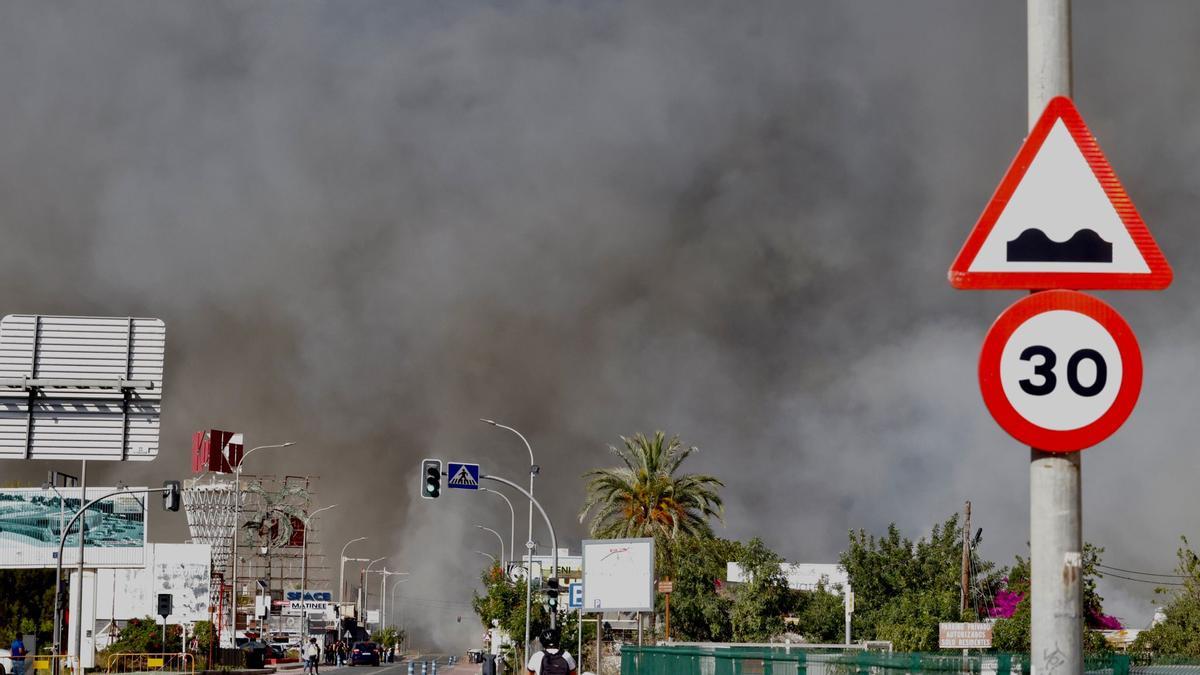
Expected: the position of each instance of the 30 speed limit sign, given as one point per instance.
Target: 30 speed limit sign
(1060, 371)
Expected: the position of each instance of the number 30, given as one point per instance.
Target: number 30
(1045, 370)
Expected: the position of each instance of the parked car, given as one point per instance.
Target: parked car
(364, 652)
(5, 661)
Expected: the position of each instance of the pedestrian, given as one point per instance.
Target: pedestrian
(17, 653)
(551, 659)
(312, 653)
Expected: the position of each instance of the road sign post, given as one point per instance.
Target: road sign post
(1060, 371)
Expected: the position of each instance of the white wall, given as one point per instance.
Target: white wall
(182, 570)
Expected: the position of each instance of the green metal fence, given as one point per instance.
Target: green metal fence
(792, 660)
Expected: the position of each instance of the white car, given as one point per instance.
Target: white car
(5, 662)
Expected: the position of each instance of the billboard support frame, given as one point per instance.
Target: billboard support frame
(62, 543)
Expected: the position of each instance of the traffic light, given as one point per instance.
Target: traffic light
(552, 594)
(171, 495)
(164, 605)
(431, 478)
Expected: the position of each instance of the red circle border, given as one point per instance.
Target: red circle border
(1054, 440)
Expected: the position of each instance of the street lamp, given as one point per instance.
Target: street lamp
(488, 529)
(392, 599)
(383, 575)
(304, 573)
(533, 471)
(512, 520)
(489, 555)
(342, 573)
(237, 515)
(362, 584)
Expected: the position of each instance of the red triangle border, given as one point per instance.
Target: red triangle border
(1160, 275)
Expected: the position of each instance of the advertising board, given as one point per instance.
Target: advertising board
(618, 575)
(31, 522)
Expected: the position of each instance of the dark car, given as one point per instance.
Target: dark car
(364, 652)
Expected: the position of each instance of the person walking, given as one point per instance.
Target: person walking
(551, 659)
(312, 657)
(17, 653)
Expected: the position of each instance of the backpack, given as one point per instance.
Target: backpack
(553, 663)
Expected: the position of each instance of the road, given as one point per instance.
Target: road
(401, 668)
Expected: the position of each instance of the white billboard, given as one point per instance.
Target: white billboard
(80, 387)
(801, 576)
(32, 519)
(618, 575)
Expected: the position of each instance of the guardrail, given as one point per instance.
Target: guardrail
(178, 662)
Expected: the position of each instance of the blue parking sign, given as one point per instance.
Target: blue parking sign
(575, 595)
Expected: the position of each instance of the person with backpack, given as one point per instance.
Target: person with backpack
(17, 653)
(551, 659)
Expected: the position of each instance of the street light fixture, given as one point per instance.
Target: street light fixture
(304, 572)
(488, 555)
(488, 529)
(533, 471)
(512, 520)
(237, 515)
(342, 573)
(362, 584)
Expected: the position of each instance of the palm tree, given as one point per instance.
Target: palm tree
(646, 498)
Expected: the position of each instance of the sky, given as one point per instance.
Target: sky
(368, 224)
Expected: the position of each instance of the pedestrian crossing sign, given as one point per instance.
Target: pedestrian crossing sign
(462, 476)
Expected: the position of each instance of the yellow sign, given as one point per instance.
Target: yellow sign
(154, 662)
(43, 664)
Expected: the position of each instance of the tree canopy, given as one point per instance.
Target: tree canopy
(648, 497)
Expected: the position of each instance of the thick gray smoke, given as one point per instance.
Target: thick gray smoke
(367, 224)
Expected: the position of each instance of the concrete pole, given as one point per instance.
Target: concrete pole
(1055, 514)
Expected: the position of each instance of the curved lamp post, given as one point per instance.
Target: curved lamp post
(512, 522)
(498, 537)
(237, 515)
(304, 572)
(533, 471)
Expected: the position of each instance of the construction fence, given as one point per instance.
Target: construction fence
(793, 660)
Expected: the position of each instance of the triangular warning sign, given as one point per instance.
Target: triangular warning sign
(464, 478)
(1060, 219)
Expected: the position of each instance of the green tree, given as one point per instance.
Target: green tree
(764, 598)
(1179, 632)
(820, 615)
(387, 637)
(904, 589)
(145, 636)
(27, 604)
(503, 601)
(1012, 633)
(647, 497)
(700, 604)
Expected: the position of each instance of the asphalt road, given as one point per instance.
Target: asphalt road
(401, 668)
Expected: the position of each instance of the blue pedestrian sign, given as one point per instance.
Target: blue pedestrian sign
(575, 595)
(462, 476)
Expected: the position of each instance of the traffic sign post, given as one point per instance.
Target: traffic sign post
(1059, 370)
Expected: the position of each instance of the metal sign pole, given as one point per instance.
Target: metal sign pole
(78, 618)
(1055, 522)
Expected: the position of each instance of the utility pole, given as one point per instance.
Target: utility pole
(966, 564)
(1055, 513)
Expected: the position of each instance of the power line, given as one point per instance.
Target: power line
(1145, 581)
(1145, 574)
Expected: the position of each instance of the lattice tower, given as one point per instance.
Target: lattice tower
(210, 513)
